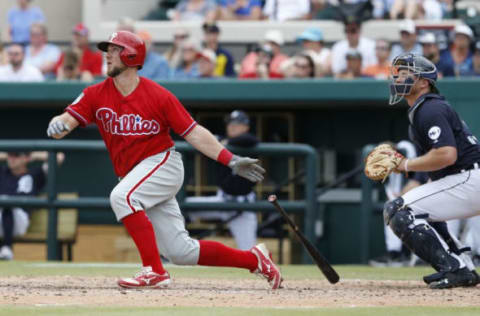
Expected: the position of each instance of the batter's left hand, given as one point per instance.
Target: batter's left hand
(247, 167)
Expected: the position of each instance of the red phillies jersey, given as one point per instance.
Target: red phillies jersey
(133, 127)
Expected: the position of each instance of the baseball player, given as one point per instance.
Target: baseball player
(451, 156)
(17, 179)
(134, 116)
(242, 223)
(394, 187)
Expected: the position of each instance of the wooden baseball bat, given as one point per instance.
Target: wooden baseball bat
(322, 263)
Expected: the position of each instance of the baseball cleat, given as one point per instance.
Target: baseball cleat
(6, 253)
(460, 278)
(266, 267)
(146, 279)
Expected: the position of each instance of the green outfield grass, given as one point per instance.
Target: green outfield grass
(297, 272)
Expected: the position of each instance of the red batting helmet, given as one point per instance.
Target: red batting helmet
(133, 52)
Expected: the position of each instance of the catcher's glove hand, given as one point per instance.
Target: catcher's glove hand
(382, 161)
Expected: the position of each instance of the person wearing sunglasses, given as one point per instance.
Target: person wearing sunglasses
(353, 41)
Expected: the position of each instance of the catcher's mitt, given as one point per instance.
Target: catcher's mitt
(382, 161)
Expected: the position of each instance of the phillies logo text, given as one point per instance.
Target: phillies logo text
(126, 124)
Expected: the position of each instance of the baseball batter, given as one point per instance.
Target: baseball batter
(451, 156)
(134, 116)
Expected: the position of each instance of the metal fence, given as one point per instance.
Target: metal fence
(308, 205)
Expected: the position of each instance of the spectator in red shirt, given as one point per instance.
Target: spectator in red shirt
(90, 61)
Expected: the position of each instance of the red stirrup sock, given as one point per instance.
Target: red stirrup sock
(140, 228)
(216, 254)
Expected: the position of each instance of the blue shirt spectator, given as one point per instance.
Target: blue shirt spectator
(155, 66)
(182, 73)
(459, 57)
(195, 10)
(461, 69)
(240, 9)
(21, 18)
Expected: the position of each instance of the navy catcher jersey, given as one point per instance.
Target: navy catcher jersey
(434, 124)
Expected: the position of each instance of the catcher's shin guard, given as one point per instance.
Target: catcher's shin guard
(420, 237)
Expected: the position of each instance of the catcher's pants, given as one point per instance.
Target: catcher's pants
(242, 224)
(151, 186)
(452, 197)
(20, 221)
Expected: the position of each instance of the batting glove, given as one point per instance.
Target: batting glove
(56, 128)
(247, 168)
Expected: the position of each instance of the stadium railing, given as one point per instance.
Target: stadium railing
(308, 205)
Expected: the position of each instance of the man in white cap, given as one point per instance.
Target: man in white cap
(408, 40)
(206, 64)
(432, 52)
(460, 55)
(272, 45)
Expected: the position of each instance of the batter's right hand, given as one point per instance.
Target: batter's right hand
(247, 168)
(57, 128)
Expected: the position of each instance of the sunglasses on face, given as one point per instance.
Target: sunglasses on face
(351, 30)
(302, 66)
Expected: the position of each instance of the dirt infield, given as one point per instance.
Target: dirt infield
(102, 291)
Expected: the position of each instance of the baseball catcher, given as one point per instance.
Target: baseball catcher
(382, 161)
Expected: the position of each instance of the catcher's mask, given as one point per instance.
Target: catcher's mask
(406, 70)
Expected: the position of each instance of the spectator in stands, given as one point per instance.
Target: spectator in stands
(70, 68)
(90, 61)
(382, 8)
(240, 10)
(174, 54)
(3, 55)
(20, 19)
(430, 10)
(381, 70)
(262, 68)
(337, 9)
(460, 55)
(408, 9)
(475, 62)
(303, 67)
(287, 10)
(126, 24)
(432, 52)
(354, 66)
(272, 45)
(416, 9)
(232, 188)
(155, 66)
(355, 41)
(408, 40)
(225, 62)
(18, 180)
(17, 70)
(313, 44)
(207, 61)
(188, 68)
(39, 53)
(196, 10)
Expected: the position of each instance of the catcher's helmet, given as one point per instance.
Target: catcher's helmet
(133, 52)
(410, 68)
